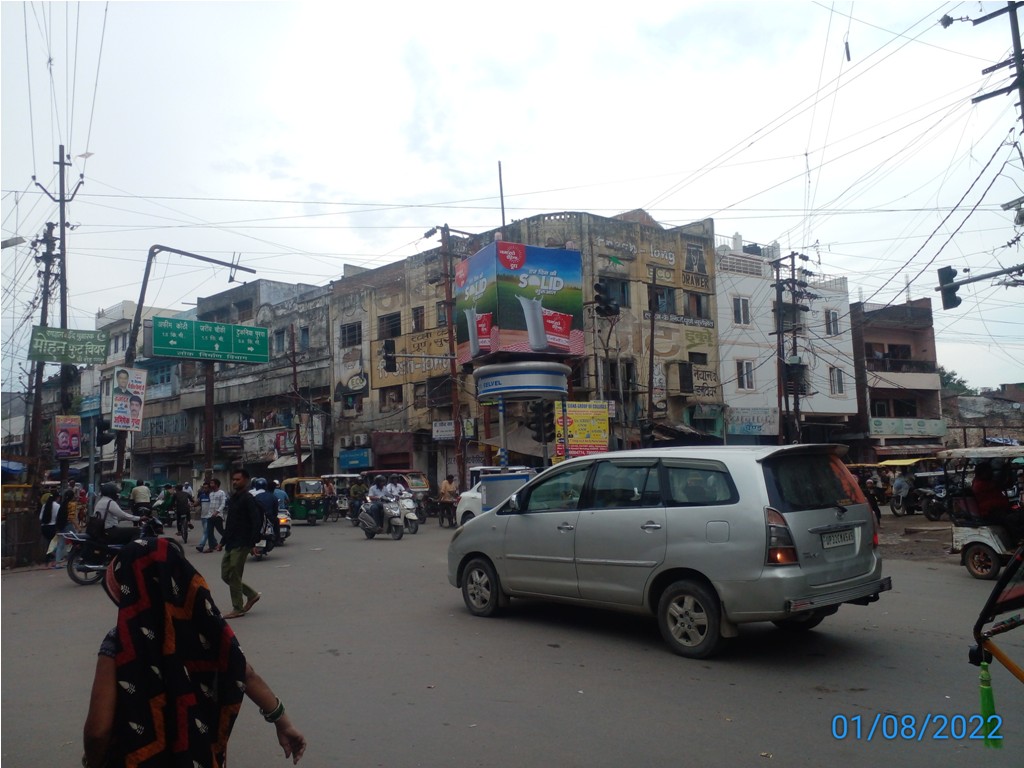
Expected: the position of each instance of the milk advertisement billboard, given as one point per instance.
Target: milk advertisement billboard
(511, 297)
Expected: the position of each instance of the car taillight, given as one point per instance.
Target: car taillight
(781, 549)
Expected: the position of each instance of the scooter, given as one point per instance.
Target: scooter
(393, 522)
(267, 541)
(284, 525)
(88, 558)
(409, 507)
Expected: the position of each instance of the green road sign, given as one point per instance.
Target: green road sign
(201, 340)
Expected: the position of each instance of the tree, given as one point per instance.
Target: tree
(954, 383)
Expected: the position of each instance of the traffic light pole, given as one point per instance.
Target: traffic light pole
(942, 287)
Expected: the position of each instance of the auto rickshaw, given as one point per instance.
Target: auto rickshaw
(927, 490)
(305, 498)
(984, 548)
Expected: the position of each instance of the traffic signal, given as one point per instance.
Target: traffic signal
(605, 305)
(104, 434)
(646, 434)
(548, 407)
(949, 298)
(390, 361)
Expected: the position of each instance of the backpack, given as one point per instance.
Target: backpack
(96, 526)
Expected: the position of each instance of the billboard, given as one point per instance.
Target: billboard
(67, 437)
(511, 297)
(587, 428)
(127, 399)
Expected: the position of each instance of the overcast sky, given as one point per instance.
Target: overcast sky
(304, 136)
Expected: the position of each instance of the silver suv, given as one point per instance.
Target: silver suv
(703, 538)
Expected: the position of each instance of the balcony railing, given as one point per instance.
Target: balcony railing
(889, 365)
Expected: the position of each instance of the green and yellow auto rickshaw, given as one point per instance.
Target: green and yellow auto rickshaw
(305, 498)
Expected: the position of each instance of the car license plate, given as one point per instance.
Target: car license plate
(837, 539)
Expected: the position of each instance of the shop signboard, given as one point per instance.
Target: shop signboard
(587, 426)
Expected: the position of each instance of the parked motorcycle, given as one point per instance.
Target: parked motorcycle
(933, 502)
(393, 519)
(905, 504)
(88, 557)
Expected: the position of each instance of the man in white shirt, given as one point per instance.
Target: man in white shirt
(218, 501)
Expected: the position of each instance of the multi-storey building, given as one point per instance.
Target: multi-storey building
(786, 347)
(898, 386)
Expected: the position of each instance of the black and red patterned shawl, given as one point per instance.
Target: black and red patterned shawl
(180, 671)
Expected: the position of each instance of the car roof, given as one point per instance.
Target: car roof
(757, 452)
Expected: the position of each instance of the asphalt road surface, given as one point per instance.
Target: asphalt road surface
(380, 664)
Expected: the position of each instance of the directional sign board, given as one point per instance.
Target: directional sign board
(201, 340)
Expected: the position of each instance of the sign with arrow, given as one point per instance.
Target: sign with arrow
(203, 340)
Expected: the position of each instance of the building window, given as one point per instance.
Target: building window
(389, 326)
(117, 343)
(612, 371)
(697, 304)
(744, 374)
(831, 322)
(618, 290)
(417, 319)
(695, 261)
(880, 409)
(442, 315)
(836, 380)
(279, 342)
(698, 358)
(663, 299)
(350, 335)
(352, 403)
(161, 375)
(741, 310)
(391, 399)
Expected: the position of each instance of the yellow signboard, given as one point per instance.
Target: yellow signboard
(587, 428)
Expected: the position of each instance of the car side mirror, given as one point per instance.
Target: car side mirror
(513, 502)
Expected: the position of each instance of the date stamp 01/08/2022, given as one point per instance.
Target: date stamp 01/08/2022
(931, 727)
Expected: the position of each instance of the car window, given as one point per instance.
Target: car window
(703, 483)
(557, 492)
(807, 481)
(623, 485)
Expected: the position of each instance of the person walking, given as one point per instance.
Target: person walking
(182, 511)
(204, 517)
(244, 524)
(170, 676)
(64, 525)
(218, 505)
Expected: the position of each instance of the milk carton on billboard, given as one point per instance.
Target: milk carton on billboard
(520, 298)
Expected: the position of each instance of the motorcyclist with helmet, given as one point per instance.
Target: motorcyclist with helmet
(394, 487)
(111, 514)
(267, 503)
(376, 495)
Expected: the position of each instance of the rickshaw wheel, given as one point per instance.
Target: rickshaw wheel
(981, 562)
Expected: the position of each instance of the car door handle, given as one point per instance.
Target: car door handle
(650, 525)
(567, 527)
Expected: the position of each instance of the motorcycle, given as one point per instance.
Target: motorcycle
(393, 519)
(905, 503)
(409, 516)
(267, 541)
(89, 557)
(284, 525)
(934, 502)
(355, 506)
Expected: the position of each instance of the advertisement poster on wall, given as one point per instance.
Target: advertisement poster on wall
(67, 437)
(127, 399)
(511, 297)
(587, 428)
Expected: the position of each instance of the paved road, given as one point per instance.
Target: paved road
(380, 665)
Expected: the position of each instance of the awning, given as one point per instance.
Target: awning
(285, 461)
(79, 465)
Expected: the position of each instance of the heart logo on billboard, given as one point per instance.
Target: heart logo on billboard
(461, 273)
(512, 255)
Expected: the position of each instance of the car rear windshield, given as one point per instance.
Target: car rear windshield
(809, 481)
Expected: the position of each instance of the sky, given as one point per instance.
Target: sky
(296, 137)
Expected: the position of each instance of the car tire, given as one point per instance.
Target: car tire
(690, 619)
(481, 590)
(982, 562)
(802, 622)
(466, 517)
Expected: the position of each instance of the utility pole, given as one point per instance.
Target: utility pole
(298, 402)
(34, 463)
(62, 201)
(653, 302)
(1017, 62)
(780, 353)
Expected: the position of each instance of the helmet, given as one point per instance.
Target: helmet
(110, 490)
(277, 483)
(380, 479)
(259, 484)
